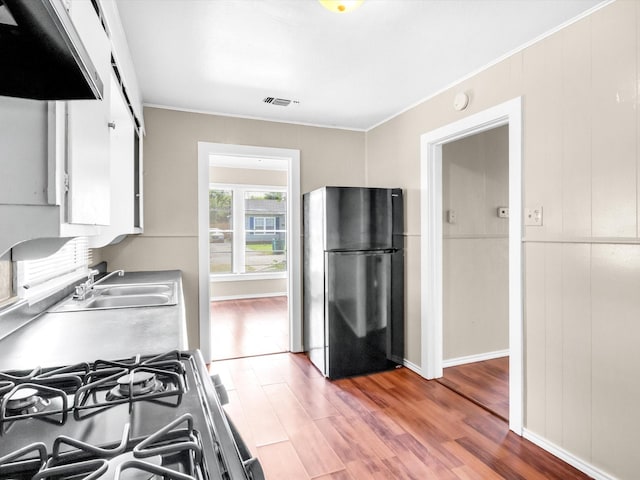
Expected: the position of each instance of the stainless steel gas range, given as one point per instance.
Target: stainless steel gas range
(139, 418)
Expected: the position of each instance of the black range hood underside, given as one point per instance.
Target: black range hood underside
(42, 56)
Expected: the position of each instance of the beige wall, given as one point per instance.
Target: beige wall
(582, 268)
(246, 176)
(327, 157)
(475, 249)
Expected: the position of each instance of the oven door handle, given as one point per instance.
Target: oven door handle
(251, 463)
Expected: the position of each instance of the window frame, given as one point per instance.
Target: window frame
(239, 233)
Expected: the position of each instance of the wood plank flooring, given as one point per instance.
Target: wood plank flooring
(247, 327)
(390, 425)
(486, 383)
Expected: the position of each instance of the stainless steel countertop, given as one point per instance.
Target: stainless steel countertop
(62, 338)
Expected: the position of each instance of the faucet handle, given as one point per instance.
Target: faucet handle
(91, 275)
(80, 292)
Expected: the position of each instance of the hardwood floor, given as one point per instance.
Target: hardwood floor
(486, 383)
(390, 425)
(253, 326)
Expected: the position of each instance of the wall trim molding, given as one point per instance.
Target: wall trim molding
(249, 117)
(478, 357)
(496, 61)
(413, 367)
(584, 240)
(475, 236)
(247, 296)
(566, 456)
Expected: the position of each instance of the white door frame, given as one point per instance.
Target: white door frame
(509, 113)
(294, 283)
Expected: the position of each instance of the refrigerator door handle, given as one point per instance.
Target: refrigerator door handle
(365, 252)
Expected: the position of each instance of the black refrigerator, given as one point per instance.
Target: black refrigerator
(353, 282)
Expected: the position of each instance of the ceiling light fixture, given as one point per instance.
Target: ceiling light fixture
(341, 6)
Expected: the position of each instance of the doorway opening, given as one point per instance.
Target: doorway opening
(249, 249)
(475, 273)
(507, 114)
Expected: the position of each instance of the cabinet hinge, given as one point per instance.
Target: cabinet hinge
(66, 182)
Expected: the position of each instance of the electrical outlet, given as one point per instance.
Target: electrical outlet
(533, 217)
(503, 212)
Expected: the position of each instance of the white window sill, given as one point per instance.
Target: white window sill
(241, 277)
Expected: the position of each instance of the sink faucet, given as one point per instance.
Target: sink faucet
(86, 288)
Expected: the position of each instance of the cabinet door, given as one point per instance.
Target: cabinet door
(121, 153)
(88, 200)
(24, 144)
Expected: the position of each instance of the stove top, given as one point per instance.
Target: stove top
(154, 417)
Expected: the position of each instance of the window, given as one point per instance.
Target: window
(221, 231)
(6, 277)
(264, 225)
(247, 230)
(38, 278)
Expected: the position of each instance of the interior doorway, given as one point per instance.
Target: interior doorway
(248, 223)
(510, 114)
(249, 249)
(475, 273)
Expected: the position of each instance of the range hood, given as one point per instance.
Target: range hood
(41, 54)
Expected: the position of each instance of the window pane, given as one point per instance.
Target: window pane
(221, 209)
(221, 231)
(6, 278)
(221, 252)
(265, 224)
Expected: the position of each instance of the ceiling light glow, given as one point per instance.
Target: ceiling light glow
(341, 6)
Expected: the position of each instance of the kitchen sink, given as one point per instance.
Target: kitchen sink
(146, 289)
(122, 296)
(127, 301)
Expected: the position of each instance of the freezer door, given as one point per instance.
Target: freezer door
(358, 218)
(358, 306)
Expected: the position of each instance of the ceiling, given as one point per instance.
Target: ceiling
(352, 70)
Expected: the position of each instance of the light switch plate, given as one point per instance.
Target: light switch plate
(533, 217)
(451, 216)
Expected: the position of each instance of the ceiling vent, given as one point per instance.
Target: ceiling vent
(282, 102)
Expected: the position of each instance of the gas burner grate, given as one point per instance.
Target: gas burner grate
(22, 461)
(159, 379)
(38, 394)
(172, 452)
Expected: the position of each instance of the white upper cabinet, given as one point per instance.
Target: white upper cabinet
(121, 153)
(71, 168)
(88, 199)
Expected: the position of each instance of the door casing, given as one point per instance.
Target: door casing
(507, 113)
(294, 282)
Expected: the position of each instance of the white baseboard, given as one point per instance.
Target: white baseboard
(566, 456)
(413, 367)
(247, 296)
(479, 357)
